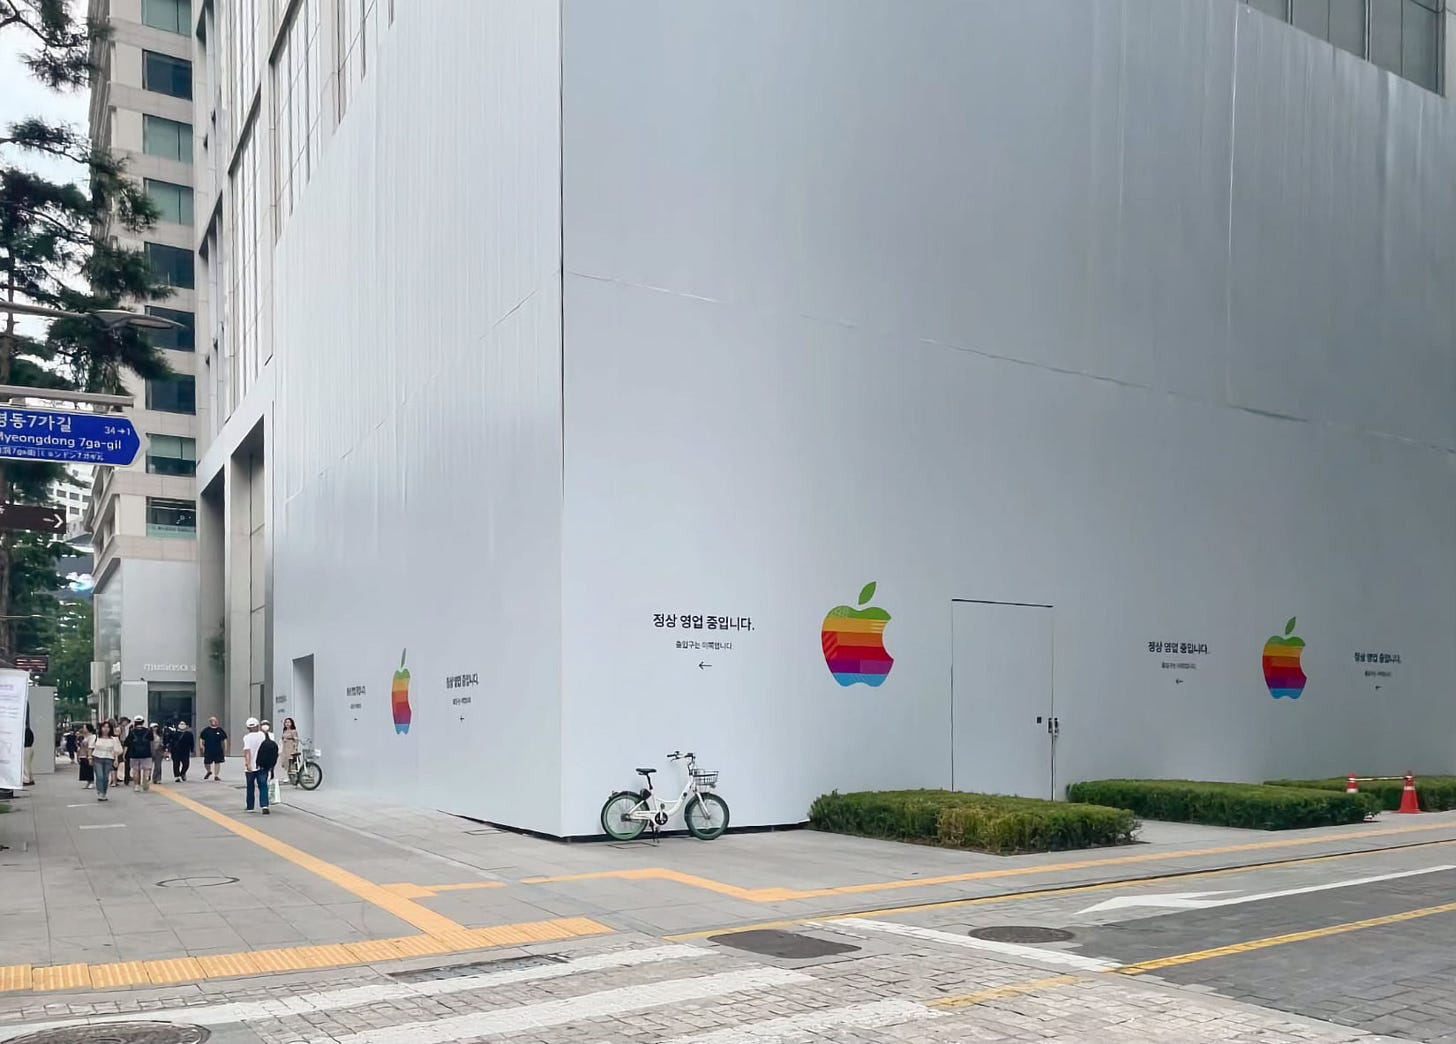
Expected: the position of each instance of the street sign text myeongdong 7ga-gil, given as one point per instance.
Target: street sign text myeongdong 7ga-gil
(75, 438)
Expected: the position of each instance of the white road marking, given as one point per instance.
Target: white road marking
(813, 1025)
(358, 996)
(602, 1004)
(1033, 953)
(1191, 900)
(100, 826)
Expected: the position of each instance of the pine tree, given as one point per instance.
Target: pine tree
(55, 252)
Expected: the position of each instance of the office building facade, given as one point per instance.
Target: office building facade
(143, 517)
(898, 394)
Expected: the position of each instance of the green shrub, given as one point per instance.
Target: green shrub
(1436, 793)
(991, 823)
(1254, 805)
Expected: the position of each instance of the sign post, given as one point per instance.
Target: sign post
(69, 438)
(31, 517)
(13, 686)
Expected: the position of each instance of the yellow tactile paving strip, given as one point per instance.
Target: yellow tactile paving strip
(297, 958)
(779, 895)
(405, 909)
(416, 891)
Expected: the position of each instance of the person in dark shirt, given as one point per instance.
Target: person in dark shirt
(139, 753)
(214, 749)
(182, 747)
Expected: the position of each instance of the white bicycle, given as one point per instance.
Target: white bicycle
(627, 813)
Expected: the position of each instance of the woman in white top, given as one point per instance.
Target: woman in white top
(104, 753)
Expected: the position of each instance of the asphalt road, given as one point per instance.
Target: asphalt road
(1377, 955)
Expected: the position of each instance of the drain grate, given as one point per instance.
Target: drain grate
(120, 1033)
(1021, 933)
(196, 882)
(457, 971)
(788, 945)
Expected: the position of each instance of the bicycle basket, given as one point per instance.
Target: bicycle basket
(705, 779)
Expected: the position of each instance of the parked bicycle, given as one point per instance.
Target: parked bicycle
(303, 768)
(627, 813)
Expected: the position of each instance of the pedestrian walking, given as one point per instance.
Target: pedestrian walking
(184, 745)
(214, 749)
(123, 763)
(104, 752)
(84, 738)
(70, 743)
(289, 747)
(139, 755)
(159, 751)
(257, 775)
(27, 779)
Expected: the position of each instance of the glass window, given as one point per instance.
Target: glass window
(167, 138)
(1385, 34)
(1313, 16)
(171, 455)
(171, 15)
(173, 202)
(1420, 47)
(183, 340)
(175, 394)
(1347, 25)
(171, 518)
(173, 265)
(166, 75)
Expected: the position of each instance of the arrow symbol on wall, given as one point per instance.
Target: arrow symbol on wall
(1177, 681)
(703, 666)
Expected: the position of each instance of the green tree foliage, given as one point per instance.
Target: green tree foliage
(56, 252)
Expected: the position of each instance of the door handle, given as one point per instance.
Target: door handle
(1056, 726)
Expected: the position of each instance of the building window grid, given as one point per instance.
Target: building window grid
(171, 518)
(174, 16)
(163, 74)
(173, 202)
(297, 96)
(171, 455)
(175, 394)
(166, 138)
(183, 340)
(1401, 36)
(173, 265)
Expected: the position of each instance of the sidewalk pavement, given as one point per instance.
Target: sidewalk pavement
(182, 872)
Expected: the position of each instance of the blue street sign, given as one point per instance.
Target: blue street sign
(76, 438)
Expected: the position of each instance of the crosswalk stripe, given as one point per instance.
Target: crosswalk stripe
(809, 1024)
(358, 996)
(602, 1004)
(1031, 953)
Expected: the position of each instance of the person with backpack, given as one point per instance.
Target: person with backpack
(183, 746)
(139, 754)
(253, 763)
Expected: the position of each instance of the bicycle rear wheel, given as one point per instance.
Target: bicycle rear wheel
(617, 821)
(310, 775)
(706, 816)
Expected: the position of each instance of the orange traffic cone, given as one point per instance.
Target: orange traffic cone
(1352, 786)
(1408, 800)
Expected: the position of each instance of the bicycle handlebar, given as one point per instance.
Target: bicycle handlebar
(677, 755)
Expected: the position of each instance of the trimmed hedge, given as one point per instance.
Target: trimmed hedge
(1254, 805)
(1436, 793)
(990, 823)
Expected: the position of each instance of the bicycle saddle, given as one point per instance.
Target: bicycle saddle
(646, 772)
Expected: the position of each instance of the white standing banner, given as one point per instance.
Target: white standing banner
(13, 686)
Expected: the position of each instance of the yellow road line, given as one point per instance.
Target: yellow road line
(778, 895)
(415, 891)
(1036, 893)
(406, 910)
(1014, 989)
(1142, 967)
(24, 977)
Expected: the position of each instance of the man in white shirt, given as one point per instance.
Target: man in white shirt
(256, 776)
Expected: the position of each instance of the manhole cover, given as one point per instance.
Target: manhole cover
(196, 882)
(1021, 933)
(120, 1033)
(773, 943)
(455, 971)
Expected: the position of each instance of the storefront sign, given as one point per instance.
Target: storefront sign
(13, 686)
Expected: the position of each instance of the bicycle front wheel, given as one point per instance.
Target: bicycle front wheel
(617, 821)
(706, 816)
(310, 775)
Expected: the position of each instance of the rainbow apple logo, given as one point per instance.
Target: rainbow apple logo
(399, 696)
(854, 642)
(1282, 672)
